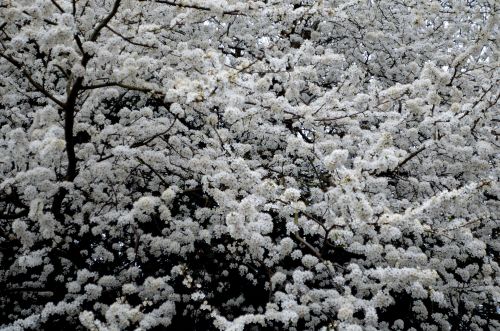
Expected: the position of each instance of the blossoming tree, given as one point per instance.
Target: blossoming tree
(249, 165)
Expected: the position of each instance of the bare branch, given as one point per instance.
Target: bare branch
(57, 5)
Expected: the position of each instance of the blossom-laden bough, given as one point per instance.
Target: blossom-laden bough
(249, 165)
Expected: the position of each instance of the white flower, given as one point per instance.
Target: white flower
(78, 70)
(197, 296)
(129, 288)
(169, 194)
(92, 291)
(439, 298)
(108, 281)
(278, 278)
(345, 312)
(309, 261)
(73, 287)
(291, 194)
(335, 159)
(87, 320)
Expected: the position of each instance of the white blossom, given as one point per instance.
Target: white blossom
(248, 165)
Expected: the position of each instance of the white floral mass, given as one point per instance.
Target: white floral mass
(249, 165)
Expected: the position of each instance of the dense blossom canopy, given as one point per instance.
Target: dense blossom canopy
(249, 165)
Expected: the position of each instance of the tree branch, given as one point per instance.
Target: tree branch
(14, 216)
(105, 21)
(141, 161)
(127, 39)
(198, 7)
(408, 158)
(58, 6)
(30, 79)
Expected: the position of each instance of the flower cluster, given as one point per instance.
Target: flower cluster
(249, 165)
